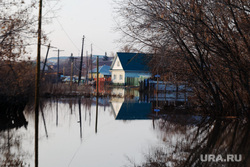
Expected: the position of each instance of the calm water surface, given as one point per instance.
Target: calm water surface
(69, 137)
(121, 133)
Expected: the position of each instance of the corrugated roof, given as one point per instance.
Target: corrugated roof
(134, 61)
(103, 70)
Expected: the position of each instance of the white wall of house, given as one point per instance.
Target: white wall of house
(118, 76)
(117, 64)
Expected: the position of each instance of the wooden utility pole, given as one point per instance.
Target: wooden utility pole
(45, 61)
(97, 91)
(97, 76)
(58, 51)
(80, 71)
(87, 68)
(91, 64)
(71, 73)
(38, 81)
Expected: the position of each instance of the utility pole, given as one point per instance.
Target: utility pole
(58, 51)
(80, 72)
(71, 73)
(38, 80)
(45, 61)
(91, 64)
(97, 91)
(97, 77)
(87, 68)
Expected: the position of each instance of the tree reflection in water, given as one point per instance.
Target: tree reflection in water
(185, 143)
(11, 154)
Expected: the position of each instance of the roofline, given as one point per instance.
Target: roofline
(113, 62)
(115, 58)
(130, 70)
(136, 71)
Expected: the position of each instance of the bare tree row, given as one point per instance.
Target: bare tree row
(205, 42)
(17, 31)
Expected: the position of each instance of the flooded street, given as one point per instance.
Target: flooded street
(124, 83)
(122, 132)
(72, 137)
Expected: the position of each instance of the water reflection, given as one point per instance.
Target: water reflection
(224, 142)
(96, 117)
(11, 119)
(131, 110)
(80, 116)
(44, 121)
(104, 131)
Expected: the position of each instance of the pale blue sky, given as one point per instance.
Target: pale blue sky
(75, 18)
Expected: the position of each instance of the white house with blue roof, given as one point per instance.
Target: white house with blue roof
(130, 68)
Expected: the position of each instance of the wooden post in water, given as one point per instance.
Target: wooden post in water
(80, 117)
(97, 92)
(56, 112)
(157, 86)
(96, 116)
(38, 81)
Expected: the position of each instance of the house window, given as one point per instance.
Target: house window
(118, 63)
(120, 77)
(114, 77)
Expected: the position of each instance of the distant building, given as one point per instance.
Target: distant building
(130, 68)
(53, 60)
(103, 72)
(102, 60)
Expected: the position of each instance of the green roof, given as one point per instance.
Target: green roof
(134, 61)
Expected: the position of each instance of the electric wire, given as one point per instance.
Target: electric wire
(67, 35)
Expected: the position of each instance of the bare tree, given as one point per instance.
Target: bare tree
(210, 37)
(17, 29)
(17, 32)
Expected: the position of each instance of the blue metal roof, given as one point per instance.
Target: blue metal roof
(134, 61)
(103, 70)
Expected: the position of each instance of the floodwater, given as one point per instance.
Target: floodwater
(74, 132)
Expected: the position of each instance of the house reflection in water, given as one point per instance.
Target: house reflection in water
(129, 104)
(128, 107)
(131, 110)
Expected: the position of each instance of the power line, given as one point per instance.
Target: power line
(63, 27)
(67, 35)
(51, 8)
(95, 44)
